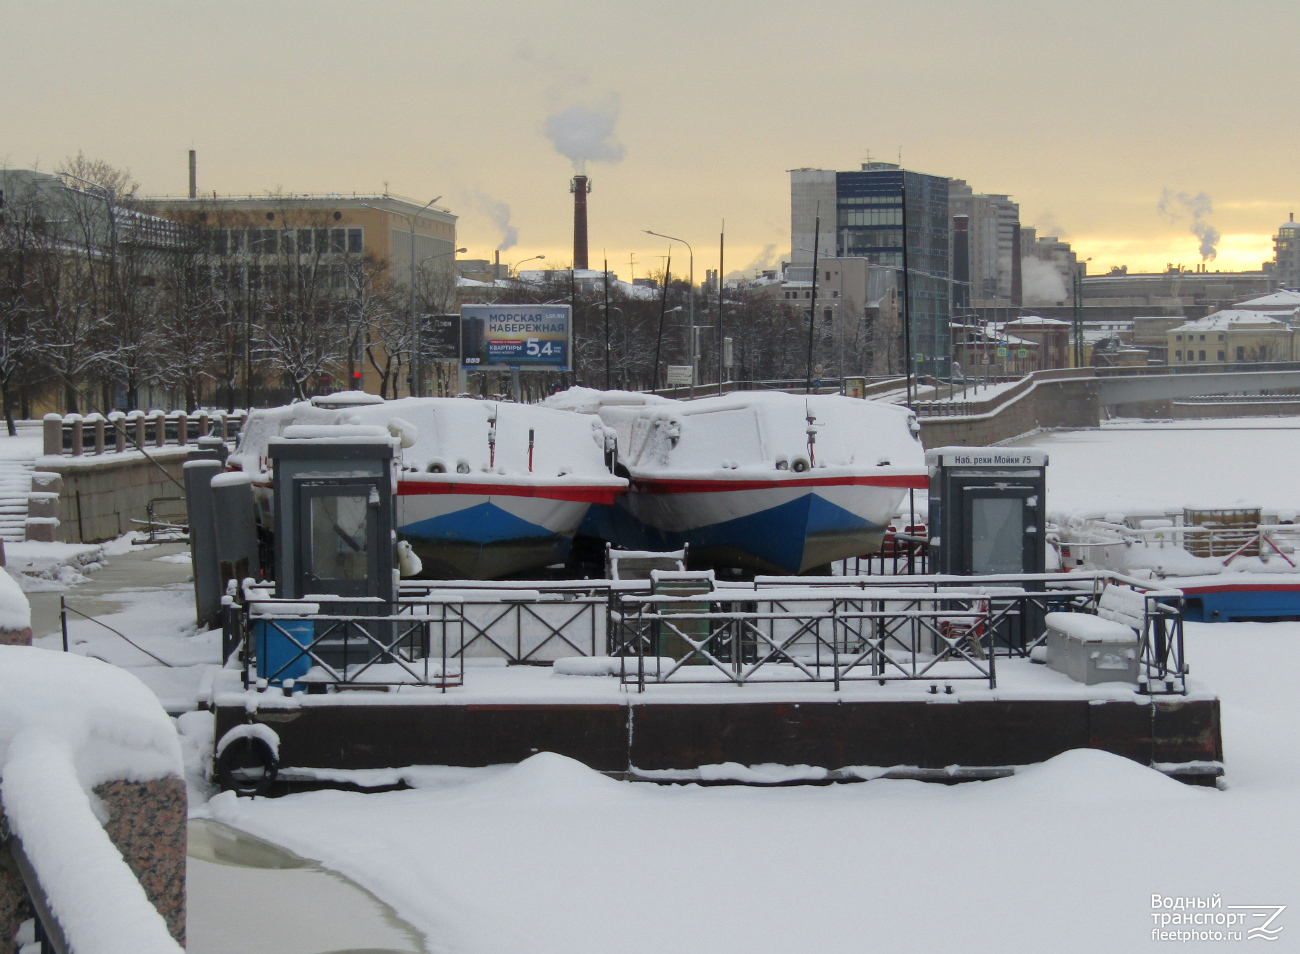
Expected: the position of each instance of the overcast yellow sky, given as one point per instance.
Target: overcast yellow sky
(1084, 112)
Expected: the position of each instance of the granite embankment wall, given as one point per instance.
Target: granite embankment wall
(101, 495)
(1047, 399)
(147, 823)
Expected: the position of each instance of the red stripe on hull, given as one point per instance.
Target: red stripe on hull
(587, 494)
(655, 486)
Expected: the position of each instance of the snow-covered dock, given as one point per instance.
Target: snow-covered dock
(920, 676)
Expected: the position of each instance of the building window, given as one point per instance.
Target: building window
(1202, 356)
(1178, 337)
(1202, 337)
(1178, 356)
(304, 241)
(236, 240)
(828, 315)
(1220, 356)
(338, 241)
(356, 242)
(1241, 353)
(835, 294)
(1220, 337)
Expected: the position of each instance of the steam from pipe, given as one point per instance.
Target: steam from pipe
(499, 213)
(1177, 205)
(583, 134)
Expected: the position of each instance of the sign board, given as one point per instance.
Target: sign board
(1023, 353)
(986, 457)
(728, 353)
(855, 387)
(440, 337)
(1002, 352)
(527, 337)
(679, 375)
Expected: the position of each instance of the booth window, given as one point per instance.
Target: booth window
(339, 537)
(997, 535)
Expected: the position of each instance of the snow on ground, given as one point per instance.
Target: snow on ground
(972, 391)
(1153, 467)
(51, 567)
(158, 621)
(27, 444)
(550, 856)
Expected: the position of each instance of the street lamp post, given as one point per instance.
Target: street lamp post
(606, 309)
(514, 269)
(413, 329)
(457, 251)
(691, 336)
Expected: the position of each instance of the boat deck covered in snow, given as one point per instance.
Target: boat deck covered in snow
(767, 481)
(485, 489)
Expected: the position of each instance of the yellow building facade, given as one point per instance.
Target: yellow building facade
(1231, 336)
(336, 232)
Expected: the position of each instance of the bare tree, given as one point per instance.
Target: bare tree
(24, 239)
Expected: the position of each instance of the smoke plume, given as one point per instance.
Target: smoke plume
(1179, 205)
(763, 261)
(499, 213)
(584, 134)
(1041, 282)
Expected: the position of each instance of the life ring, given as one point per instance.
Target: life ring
(244, 753)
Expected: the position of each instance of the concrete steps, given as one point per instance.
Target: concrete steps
(15, 484)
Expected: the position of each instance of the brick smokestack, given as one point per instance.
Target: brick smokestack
(580, 186)
(194, 174)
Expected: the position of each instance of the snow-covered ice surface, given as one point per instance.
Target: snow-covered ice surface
(1130, 466)
(158, 620)
(550, 856)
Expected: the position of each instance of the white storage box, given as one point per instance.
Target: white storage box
(1090, 650)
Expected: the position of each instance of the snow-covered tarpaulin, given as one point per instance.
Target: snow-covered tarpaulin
(68, 724)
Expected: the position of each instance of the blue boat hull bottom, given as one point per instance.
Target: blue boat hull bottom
(485, 541)
(1226, 603)
(798, 536)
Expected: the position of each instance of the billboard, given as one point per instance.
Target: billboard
(440, 336)
(508, 337)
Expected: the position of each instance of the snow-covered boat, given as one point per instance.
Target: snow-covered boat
(485, 489)
(768, 481)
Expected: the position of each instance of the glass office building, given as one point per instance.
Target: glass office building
(869, 224)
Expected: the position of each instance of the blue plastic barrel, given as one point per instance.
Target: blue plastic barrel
(275, 649)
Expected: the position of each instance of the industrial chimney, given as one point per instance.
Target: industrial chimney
(194, 174)
(580, 186)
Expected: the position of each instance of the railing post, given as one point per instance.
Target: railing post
(182, 429)
(203, 423)
(118, 420)
(160, 429)
(77, 434)
(99, 433)
(53, 424)
(140, 425)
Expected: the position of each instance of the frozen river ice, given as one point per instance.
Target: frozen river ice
(1134, 467)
